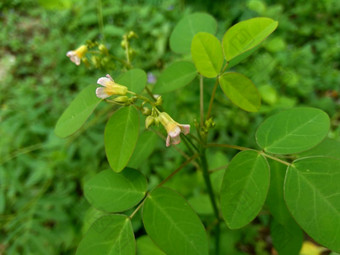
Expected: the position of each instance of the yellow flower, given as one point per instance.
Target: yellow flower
(109, 87)
(173, 128)
(76, 55)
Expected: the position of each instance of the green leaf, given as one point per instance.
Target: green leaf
(134, 79)
(246, 35)
(201, 204)
(293, 130)
(110, 234)
(145, 146)
(328, 147)
(173, 225)
(275, 199)
(207, 54)
(77, 112)
(126, 189)
(145, 246)
(312, 194)
(185, 30)
(120, 137)
(241, 57)
(241, 91)
(244, 188)
(175, 76)
(287, 238)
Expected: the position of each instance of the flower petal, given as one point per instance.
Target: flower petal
(100, 92)
(185, 128)
(167, 141)
(103, 81)
(109, 76)
(175, 132)
(176, 140)
(73, 57)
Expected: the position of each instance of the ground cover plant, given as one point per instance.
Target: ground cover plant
(307, 200)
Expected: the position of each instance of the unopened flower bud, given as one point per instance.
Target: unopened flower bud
(159, 101)
(146, 111)
(149, 121)
(123, 44)
(103, 49)
(122, 99)
(132, 35)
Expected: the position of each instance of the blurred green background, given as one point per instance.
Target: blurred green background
(42, 210)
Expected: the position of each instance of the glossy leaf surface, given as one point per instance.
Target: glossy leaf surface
(293, 130)
(134, 79)
(175, 76)
(312, 194)
(115, 192)
(246, 35)
(186, 28)
(120, 136)
(173, 225)
(77, 112)
(241, 91)
(244, 188)
(110, 234)
(207, 54)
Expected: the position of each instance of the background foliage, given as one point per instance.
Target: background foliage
(43, 210)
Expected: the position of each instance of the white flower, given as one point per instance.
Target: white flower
(173, 129)
(109, 87)
(76, 55)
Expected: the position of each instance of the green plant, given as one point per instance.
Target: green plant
(309, 193)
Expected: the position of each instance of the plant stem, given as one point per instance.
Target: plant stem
(201, 101)
(212, 99)
(205, 171)
(139, 206)
(275, 158)
(178, 169)
(100, 18)
(236, 147)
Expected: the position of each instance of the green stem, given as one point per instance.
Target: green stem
(178, 169)
(139, 206)
(275, 158)
(100, 19)
(205, 170)
(201, 102)
(236, 147)
(212, 99)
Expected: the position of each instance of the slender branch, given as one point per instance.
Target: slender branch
(150, 93)
(275, 158)
(212, 197)
(178, 169)
(139, 206)
(127, 51)
(201, 101)
(236, 147)
(218, 168)
(189, 141)
(212, 99)
(100, 18)
(225, 67)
